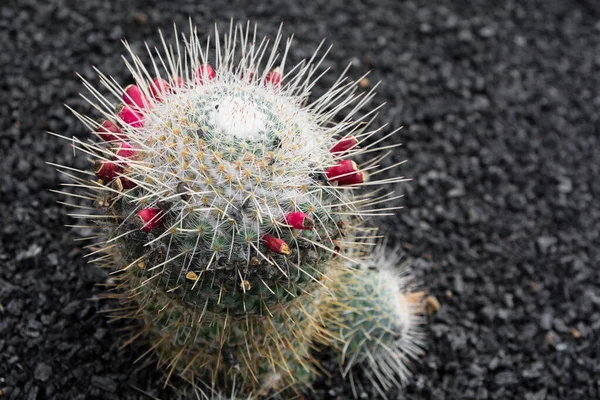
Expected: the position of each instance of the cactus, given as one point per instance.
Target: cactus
(224, 201)
(373, 318)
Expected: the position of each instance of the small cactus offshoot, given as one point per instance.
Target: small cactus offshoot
(227, 200)
(373, 319)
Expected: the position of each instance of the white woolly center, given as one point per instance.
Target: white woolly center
(239, 117)
(391, 283)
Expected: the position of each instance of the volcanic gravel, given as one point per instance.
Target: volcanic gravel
(500, 106)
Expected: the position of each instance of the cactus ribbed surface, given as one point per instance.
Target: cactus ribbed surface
(230, 207)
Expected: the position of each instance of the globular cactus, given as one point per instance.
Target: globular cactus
(223, 194)
(372, 317)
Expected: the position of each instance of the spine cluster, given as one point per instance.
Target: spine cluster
(232, 209)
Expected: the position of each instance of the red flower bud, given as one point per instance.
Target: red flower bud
(122, 183)
(344, 145)
(159, 88)
(205, 73)
(344, 167)
(133, 96)
(276, 245)
(179, 82)
(127, 184)
(131, 117)
(299, 220)
(354, 179)
(106, 170)
(125, 150)
(149, 218)
(109, 132)
(273, 78)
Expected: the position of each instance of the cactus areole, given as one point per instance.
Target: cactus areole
(223, 195)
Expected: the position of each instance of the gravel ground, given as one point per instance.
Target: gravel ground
(500, 102)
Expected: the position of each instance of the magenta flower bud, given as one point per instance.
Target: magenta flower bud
(344, 167)
(126, 183)
(273, 78)
(149, 217)
(344, 145)
(299, 220)
(125, 150)
(106, 170)
(354, 179)
(131, 117)
(159, 88)
(178, 82)
(121, 183)
(276, 245)
(109, 132)
(133, 97)
(206, 73)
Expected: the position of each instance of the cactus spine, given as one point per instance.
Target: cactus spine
(227, 204)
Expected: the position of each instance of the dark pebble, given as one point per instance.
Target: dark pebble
(42, 372)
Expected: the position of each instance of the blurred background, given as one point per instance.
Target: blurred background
(500, 106)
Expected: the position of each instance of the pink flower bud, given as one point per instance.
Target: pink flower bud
(273, 78)
(354, 179)
(109, 132)
(206, 73)
(276, 245)
(149, 217)
(122, 183)
(299, 220)
(341, 169)
(343, 145)
(106, 170)
(178, 82)
(159, 88)
(127, 184)
(125, 150)
(131, 117)
(133, 97)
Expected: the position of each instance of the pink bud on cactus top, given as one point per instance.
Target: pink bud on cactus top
(273, 78)
(106, 170)
(109, 132)
(159, 88)
(127, 184)
(206, 73)
(345, 144)
(299, 220)
(179, 82)
(354, 179)
(276, 245)
(131, 117)
(341, 169)
(125, 150)
(149, 217)
(133, 96)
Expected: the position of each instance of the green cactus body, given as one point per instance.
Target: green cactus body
(223, 195)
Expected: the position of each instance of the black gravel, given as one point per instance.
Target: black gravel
(500, 101)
